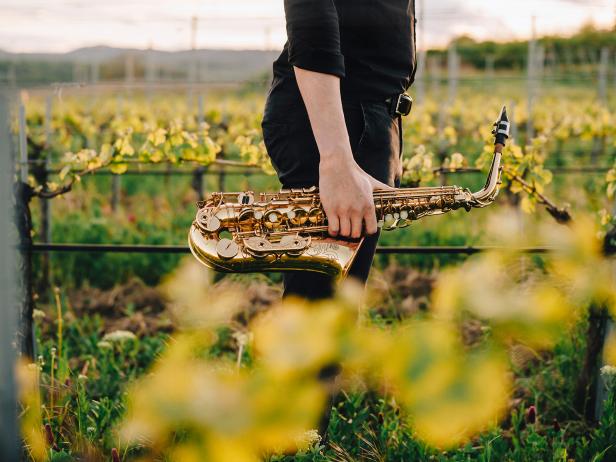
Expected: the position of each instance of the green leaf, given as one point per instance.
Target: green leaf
(611, 190)
(65, 171)
(106, 153)
(527, 205)
(118, 169)
(127, 149)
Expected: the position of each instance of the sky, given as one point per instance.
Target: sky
(64, 25)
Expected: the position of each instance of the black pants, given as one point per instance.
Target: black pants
(376, 141)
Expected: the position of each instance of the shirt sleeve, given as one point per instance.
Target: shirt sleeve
(314, 36)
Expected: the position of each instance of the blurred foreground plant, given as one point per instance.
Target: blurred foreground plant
(196, 407)
(193, 404)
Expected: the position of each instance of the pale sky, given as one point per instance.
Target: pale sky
(63, 25)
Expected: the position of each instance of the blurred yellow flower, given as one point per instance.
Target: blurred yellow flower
(298, 337)
(449, 394)
(195, 304)
(250, 412)
(609, 350)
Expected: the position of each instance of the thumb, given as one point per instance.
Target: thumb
(377, 185)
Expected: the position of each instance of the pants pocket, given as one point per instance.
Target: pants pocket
(379, 151)
(293, 152)
(356, 123)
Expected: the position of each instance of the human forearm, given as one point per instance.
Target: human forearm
(321, 95)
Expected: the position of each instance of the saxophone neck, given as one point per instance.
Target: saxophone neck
(488, 193)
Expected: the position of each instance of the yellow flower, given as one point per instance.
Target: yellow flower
(296, 336)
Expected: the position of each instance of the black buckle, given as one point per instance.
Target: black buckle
(403, 104)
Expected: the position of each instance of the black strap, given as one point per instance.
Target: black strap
(399, 105)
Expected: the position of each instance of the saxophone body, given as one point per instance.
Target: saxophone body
(286, 231)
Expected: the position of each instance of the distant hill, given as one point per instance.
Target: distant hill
(113, 64)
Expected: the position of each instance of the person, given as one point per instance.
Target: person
(332, 117)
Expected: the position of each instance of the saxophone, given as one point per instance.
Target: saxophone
(285, 231)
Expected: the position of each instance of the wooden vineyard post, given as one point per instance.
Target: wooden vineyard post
(531, 83)
(599, 142)
(23, 219)
(420, 72)
(442, 148)
(46, 203)
(23, 145)
(201, 111)
(514, 125)
(600, 391)
(149, 73)
(197, 182)
(115, 179)
(590, 389)
(585, 399)
(9, 437)
(420, 77)
(434, 71)
(221, 180)
(192, 71)
(115, 192)
(604, 64)
(453, 72)
(609, 249)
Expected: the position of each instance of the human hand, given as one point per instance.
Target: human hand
(346, 193)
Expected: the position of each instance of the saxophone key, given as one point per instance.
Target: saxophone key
(389, 221)
(227, 248)
(297, 217)
(273, 220)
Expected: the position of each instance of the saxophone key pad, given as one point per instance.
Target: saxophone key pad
(274, 217)
(227, 249)
(212, 224)
(207, 222)
(389, 220)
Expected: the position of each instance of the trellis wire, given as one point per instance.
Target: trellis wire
(182, 249)
(249, 171)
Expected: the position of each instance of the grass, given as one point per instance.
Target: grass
(85, 372)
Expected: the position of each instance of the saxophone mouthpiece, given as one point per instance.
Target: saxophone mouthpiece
(501, 128)
(486, 196)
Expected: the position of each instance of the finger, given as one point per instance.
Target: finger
(357, 223)
(345, 226)
(371, 223)
(333, 225)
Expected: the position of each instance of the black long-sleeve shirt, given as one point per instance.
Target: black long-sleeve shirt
(369, 44)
